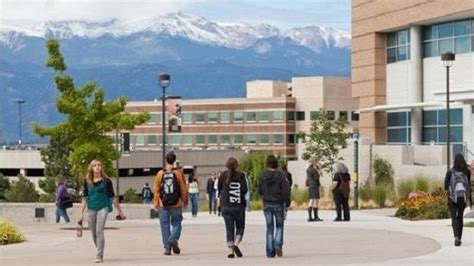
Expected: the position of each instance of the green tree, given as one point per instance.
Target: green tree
(4, 187)
(88, 120)
(22, 190)
(325, 139)
(383, 172)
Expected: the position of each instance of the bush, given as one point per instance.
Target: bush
(432, 206)
(436, 185)
(22, 190)
(383, 172)
(404, 187)
(47, 197)
(365, 192)
(379, 194)
(422, 184)
(256, 205)
(131, 196)
(299, 195)
(9, 234)
(4, 186)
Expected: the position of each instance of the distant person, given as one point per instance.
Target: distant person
(146, 194)
(273, 186)
(211, 193)
(312, 181)
(289, 178)
(216, 186)
(62, 199)
(193, 190)
(98, 197)
(248, 196)
(341, 191)
(232, 189)
(458, 185)
(170, 197)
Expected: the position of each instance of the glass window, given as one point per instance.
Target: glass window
(455, 116)
(472, 26)
(442, 134)
(263, 138)
(238, 139)
(238, 116)
(251, 139)
(402, 53)
(445, 30)
(430, 49)
(212, 117)
(225, 117)
(187, 140)
(278, 139)
(175, 140)
(225, 139)
(277, 116)
(139, 139)
(458, 148)
(462, 45)
(250, 116)
(462, 28)
(402, 37)
(200, 117)
(391, 39)
(291, 115)
(429, 118)
(152, 139)
(153, 118)
(456, 134)
(187, 118)
(354, 116)
(472, 43)
(331, 115)
(397, 119)
(291, 139)
(300, 116)
(398, 135)
(343, 115)
(446, 45)
(442, 117)
(430, 32)
(264, 116)
(212, 139)
(313, 115)
(430, 134)
(200, 139)
(391, 55)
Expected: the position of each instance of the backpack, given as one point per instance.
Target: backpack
(169, 189)
(458, 187)
(344, 187)
(146, 193)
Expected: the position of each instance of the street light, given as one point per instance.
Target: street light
(355, 138)
(163, 81)
(20, 102)
(448, 60)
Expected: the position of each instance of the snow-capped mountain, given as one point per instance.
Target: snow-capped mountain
(199, 29)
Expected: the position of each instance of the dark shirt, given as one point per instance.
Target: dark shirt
(210, 186)
(338, 177)
(108, 183)
(273, 186)
(313, 177)
(289, 177)
(232, 192)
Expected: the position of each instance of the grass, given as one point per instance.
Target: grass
(469, 224)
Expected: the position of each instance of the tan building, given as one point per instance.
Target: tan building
(398, 76)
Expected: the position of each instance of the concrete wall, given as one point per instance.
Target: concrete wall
(266, 89)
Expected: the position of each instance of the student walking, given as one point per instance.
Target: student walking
(170, 196)
(458, 185)
(273, 186)
(98, 197)
(211, 193)
(62, 199)
(232, 189)
(146, 194)
(193, 190)
(313, 183)
(341, 190)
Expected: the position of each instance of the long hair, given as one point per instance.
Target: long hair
(231, 165)
(460, 164)
(314, 162)
(341, 168)
(90, 171)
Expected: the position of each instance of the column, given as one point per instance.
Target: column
(415, 83)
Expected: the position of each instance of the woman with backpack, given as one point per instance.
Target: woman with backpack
(458, 185)
(340, 191)
(98, 198)
(232, 188)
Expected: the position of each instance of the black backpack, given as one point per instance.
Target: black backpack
(169, 189)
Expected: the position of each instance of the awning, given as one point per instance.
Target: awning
(380, 108)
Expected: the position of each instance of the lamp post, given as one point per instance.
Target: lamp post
(355, 137)
(163, 81)
(20, 102)
(448, 59)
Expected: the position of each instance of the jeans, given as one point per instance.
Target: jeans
(96, 222)
(274, 214)
(194, 203)
(234, 219)
(60, 212)
(457, 212)
(342, 205)
(247, 201)
(212, 203)
(146, 201)
(170, 223)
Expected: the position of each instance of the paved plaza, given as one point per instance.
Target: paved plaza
(373, 237)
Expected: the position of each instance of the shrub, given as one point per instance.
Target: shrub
(299, 195)
(404, 187)
(47, 197)
(422, 184)
(22, 190)
(432, 206)
(256, 205)
(436, 185)
(383, 172)
(4, 186)
(131, 196)
(9, 234)
(379, 195)
(365, 192)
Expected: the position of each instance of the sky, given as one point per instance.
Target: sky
(281, 13)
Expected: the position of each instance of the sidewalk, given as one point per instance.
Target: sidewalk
(371, 238)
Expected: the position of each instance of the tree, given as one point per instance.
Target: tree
(4, 187)
(88, 120)
(325, 139)
(22, 190)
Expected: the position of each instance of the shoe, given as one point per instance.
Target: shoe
(175, 247)
(238, 252)
(99, 260)
(310, 220)
(457, 242)
(231, 256)
(279, 252)
(317, 219)
(167, 252)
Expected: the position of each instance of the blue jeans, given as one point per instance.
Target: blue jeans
(61, 213)
(146, 201)
(247, 201)
(274, 214)
(194, 203)
(170, 217)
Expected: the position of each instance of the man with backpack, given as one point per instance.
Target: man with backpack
(146, 194)
(458, 185)
(170, 197)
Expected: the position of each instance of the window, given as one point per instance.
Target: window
(434, 127)
(313, 115)
(212, 117)
(398, 127)
(187, 140)
(200, 117)
(139, 140)
(187, 118)
(300, 116)
(278, 139)
(238, 139)
(250, 116)
(251, 139)
(277, 116)
(290, 116)
(398, 46)
(454, 36)
(152, 139)
(200, 139)
(238, 117)
(153, 118)
(331, 115)
(225, 117)
(225, 139)
(263, 139)
(175, 140)
(354, 116)
(291, 139)
(212, 139)
(264, 116)
(343, 115)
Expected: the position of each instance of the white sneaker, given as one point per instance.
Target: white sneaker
(99, 260)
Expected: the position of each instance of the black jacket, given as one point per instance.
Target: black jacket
(210, 186)
(274, 188)
(232, 192)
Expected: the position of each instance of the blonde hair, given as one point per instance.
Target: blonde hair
(341, 168)
(90, 171)
(314, 161)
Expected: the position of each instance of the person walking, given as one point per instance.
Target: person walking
(98, 197)
(170, 197)
(211, 193)
(146, 194)
(457, 183)
(341, 190)
(232, 189)
(313, 183)
(62, 199)
(289, 178)
(273, 186)
(193, 190)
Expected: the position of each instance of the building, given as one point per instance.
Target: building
(399, 79)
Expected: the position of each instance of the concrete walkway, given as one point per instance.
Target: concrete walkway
(371, 238)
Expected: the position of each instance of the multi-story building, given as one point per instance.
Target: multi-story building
(398, 76)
